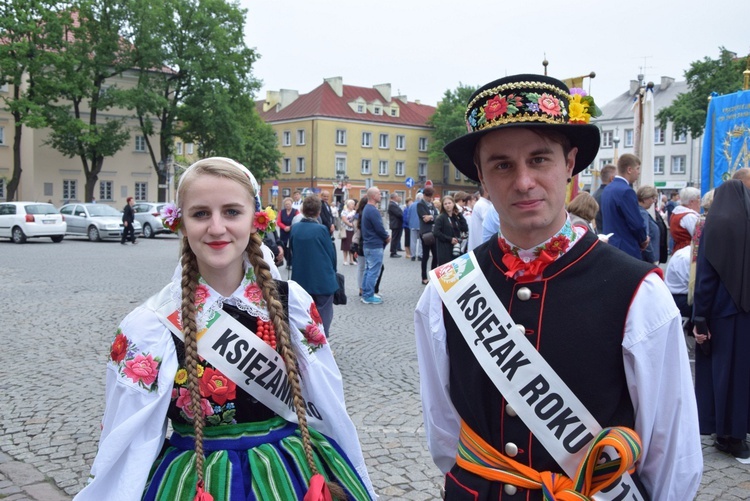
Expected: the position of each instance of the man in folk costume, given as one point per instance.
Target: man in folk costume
(522, 397)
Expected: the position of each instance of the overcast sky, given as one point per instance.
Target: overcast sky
(424, 47)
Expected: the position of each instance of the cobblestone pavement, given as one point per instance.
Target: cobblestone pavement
(64, 301)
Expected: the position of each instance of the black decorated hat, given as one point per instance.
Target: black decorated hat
(536, 101)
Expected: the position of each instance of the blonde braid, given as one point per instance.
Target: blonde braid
(189, 331)
(281, 326)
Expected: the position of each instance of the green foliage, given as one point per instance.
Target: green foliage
(449, 120)
(688, 110)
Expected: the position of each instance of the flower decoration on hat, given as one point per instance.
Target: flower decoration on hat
(265, 221)
(582, 107)
(171, 217)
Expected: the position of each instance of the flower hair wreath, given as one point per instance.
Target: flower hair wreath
(264, 220)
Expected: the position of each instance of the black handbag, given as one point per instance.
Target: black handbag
(428, 239)
(339, 297)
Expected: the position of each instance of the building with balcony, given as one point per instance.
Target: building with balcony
(346, 138)
(676, 160)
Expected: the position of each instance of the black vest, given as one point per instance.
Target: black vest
(576, 320)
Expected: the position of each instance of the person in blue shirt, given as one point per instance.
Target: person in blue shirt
(373, 240)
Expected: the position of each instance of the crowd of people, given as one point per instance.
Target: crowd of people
(520, 393)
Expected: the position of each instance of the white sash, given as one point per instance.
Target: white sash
(248, 361)
(556, 417)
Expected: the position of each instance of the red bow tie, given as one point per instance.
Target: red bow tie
(531, 269)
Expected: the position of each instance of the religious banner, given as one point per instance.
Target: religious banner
(726, 139)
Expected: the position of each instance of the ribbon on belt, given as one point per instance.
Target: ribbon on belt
(479, 457)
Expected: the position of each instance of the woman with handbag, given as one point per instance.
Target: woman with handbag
(347, 227)
(448, 228)
(427, 214)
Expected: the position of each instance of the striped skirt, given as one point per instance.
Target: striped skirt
(261, 461)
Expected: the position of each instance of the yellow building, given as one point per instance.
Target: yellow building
(345, 138)
(49, 176)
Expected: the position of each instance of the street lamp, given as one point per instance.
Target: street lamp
(616, 141)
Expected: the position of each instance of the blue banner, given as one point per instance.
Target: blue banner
(726, 139)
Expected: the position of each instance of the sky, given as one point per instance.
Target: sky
(425, 47)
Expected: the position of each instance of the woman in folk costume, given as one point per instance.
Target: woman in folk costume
(242, 405)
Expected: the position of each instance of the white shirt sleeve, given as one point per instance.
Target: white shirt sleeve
(268, 258)
(689, 221)
(322, 383)
(661, 388)
(135, 417)
(490, 225)
(441, 420)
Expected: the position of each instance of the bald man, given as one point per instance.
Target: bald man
(743, 175)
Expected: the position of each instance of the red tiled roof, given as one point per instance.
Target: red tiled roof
(323, 102)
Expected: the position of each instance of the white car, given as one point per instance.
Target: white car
(96, 221)
(22, 220)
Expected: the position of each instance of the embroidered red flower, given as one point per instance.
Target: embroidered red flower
(217, 386)
(253, 293)
(201, 294)
(557, 245)
(142, 369)
(183, 402)
(314, 314)
(549, 104)
(503, 245)
(495, 107)
(314, 335)
(119, 348)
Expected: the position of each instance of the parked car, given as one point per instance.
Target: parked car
(149, 215)
(96, 221)
(22, 220)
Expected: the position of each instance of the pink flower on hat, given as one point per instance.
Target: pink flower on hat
(550, 105)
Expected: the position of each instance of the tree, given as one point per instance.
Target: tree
(30, 34)
(187, 49)
(449, 120)
(688, 111)
(94, 51)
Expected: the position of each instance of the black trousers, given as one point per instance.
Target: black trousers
(395, 240)
(128, 229)
(426, 250)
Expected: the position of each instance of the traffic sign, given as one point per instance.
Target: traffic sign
(275, 190)
(428, 184)
(409, 182)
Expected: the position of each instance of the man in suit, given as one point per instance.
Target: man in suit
(395, 223)
(326, 217)
(606, 175)
(620, 209)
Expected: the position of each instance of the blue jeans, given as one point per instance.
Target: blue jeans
(373, 262)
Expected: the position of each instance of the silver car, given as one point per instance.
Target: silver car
(96, 221)
(22, 220)
(149, 215)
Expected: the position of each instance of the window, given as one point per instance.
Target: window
(140, 143)
(658, 135)
(400, 169)
(367, 139)
(376, 110)
(2, 188)
(422, 144)
(178, 148)
(383, 141)
(606, 139)
(141, 191)
(286, 166)
(340, 136)
(456, 174)
(678, 164)
(70, 189)
(286, 192)
(105, 190)
(4, 87)
(603, 162)
(383, 168)
(2, 135)
(189, 148)
(340, 165)
(679, 137)
(394, 112)
(366, 166)
(400, 142)
(360, 108)
(587, 170)
(300, 137)
(629, 138)
(300, 164)
(422, 167)
(48, 189)
(287, 138)
(659, 165)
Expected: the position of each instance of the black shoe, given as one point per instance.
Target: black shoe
(413, 258)
(123, 243)
(738, 448)
(395, 255)
(721, 444)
